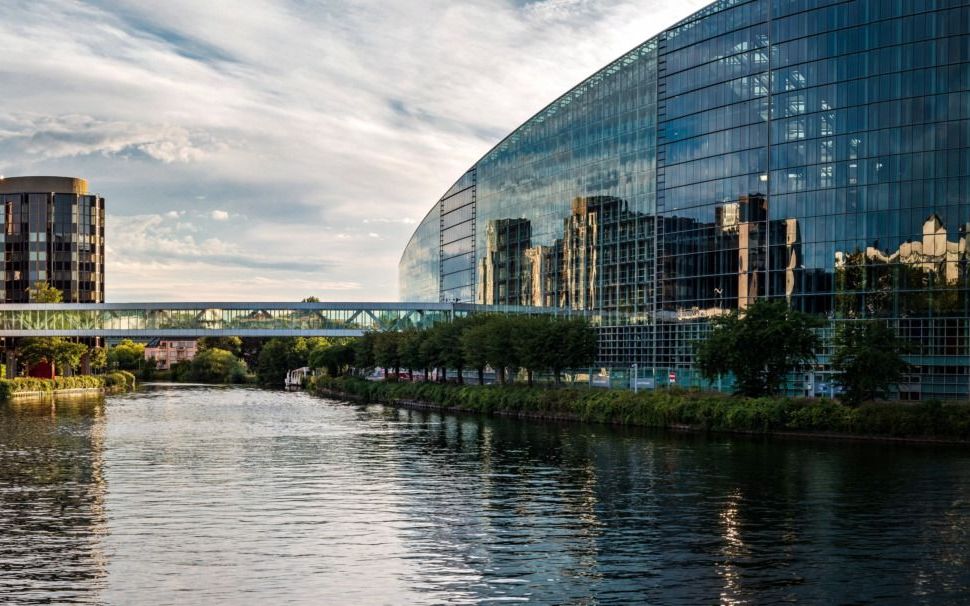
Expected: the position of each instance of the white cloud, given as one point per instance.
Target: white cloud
(305, 118)
(219, 215)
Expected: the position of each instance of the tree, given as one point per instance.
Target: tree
(432, 350)
(98, 357)
(412, 356)
(869, 359)
(230, 344)
(578, 346)
(364, 351)
(333, 358)
(449, 347)
(531, 339)
(387, 351)
(42, 292)
(250, 349)
(471, 345)
(64, 354)
(217, 366)
(760, 347)
(498, 345)
(127, 355)
(281, 355)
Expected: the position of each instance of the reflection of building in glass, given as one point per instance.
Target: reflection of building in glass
(53, 231)
(693, 176)
(500, 270)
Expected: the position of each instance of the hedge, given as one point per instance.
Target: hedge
(116, 381)
(678, 408)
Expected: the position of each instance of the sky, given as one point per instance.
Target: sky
(270, 151)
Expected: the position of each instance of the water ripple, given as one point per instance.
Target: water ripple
(193, 495)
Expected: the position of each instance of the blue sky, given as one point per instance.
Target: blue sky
(273, 150)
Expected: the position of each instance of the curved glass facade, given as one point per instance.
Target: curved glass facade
(812, 150)
(417, 276)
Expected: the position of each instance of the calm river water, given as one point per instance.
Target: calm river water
(202, 495)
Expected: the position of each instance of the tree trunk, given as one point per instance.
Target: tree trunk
(461, 375)
(529, 373)
(427, 371)
(481, 375)
(444, 374)
(501, 376)
(558, 374)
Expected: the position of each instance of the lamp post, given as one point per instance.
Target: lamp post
(635, 377)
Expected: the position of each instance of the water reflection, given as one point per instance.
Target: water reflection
(202, 495)
(52, 493)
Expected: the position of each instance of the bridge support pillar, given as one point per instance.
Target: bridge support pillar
(11, 362)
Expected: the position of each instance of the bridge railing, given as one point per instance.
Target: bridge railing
(232, 319)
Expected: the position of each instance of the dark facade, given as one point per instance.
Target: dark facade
(815, 151)
(53, 232)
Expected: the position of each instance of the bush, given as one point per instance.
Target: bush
(9, 387)
(217, 366)
(120, 380)
(671, 408)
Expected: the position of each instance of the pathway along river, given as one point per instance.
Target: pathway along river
(203, 495)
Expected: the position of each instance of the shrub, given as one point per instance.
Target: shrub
(120, 380)
(668, 408)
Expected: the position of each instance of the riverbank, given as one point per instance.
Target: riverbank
(25, 387)
(674, 409)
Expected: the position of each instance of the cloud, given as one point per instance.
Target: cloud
(72, 135)
(309, 119)
(219, 215)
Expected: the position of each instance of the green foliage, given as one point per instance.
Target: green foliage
(179, 372)
(127, 355)
(387, 350)
(364, 351)
(217, 366)
(869, 359)
(333, 358)
(98, 357)
(676, 408)
(410, 349)
(537, 343)
(760, 347)
(279, 356)
(65, 354)
(42, 292)
(119, 380)
(475, 355)
(233, 345)
(116, 381)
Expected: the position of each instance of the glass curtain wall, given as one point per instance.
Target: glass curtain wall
(815, 151)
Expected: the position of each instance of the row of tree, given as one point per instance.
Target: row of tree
(507, 344)
(769, 340)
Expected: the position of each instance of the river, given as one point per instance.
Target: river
(209, 495)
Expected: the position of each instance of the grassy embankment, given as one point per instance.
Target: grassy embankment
(113, 382)
(676, 408)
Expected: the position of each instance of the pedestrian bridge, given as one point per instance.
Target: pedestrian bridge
(193, 320)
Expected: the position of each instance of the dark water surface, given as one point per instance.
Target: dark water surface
(190, 495)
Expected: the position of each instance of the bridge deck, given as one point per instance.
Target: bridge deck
(192, 320)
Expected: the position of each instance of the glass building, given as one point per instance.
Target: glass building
(53, 232)
(815, 151)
